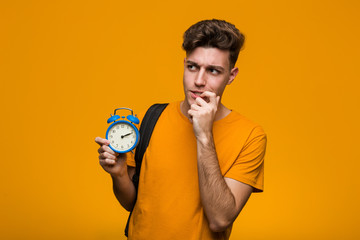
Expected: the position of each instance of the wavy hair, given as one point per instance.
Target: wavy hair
(214, 33)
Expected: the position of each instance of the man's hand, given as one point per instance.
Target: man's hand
(115, 164)
(112, 162)
(202, 114)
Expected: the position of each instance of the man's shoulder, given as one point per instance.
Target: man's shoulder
(238, 122)
(172, 106)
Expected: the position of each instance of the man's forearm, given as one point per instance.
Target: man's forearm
(216, 197)
(124, 191)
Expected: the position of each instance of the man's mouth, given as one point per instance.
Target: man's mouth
(195, 94)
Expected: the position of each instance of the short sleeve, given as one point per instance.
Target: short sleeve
(130, 159)
(249, 166)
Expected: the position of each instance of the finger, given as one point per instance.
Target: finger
(100, 150)
(200, 101)
(105, 148)
(191, 113)
(217, 99)
(102, 141)
(107, 162)
(195, 107)
(210, 95)
(110, 161)
(107, 155)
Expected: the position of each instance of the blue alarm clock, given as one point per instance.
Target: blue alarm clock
(123, 134)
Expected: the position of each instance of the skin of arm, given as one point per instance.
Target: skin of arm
(121, 174)
(222, 198)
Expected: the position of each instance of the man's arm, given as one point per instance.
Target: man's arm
(124, 189)
(222, 198)
(115, 164)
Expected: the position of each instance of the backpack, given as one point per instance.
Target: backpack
(146, 129)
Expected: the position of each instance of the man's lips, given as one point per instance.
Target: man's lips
(195, 94)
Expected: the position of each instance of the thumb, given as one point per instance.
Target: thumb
(217, 99)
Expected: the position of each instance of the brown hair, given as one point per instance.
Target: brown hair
(214, 33)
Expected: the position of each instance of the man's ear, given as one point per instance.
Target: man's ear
(233, 74)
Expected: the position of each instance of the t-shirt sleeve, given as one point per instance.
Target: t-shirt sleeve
(249, 166)
(130, 159)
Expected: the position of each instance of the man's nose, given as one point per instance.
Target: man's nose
(200, 78)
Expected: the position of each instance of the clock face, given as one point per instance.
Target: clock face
(123, 136)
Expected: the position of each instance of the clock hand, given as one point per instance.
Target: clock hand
(122, 136)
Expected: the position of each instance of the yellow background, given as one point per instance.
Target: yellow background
(65, 65)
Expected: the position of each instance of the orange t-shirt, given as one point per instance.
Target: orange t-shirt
(168, 204)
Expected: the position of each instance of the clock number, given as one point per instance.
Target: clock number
(122, 126)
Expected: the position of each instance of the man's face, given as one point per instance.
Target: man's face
(206, 69)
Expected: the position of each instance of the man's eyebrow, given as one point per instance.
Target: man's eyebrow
(210, 66)
(216, 67)
(192, 63)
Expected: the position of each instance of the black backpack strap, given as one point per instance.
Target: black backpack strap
(146, 128)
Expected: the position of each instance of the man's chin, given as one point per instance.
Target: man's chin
(187, 103)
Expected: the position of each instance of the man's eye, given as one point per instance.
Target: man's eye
(191, 67)
(214, 71)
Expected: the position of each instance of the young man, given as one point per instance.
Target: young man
(203, 160)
